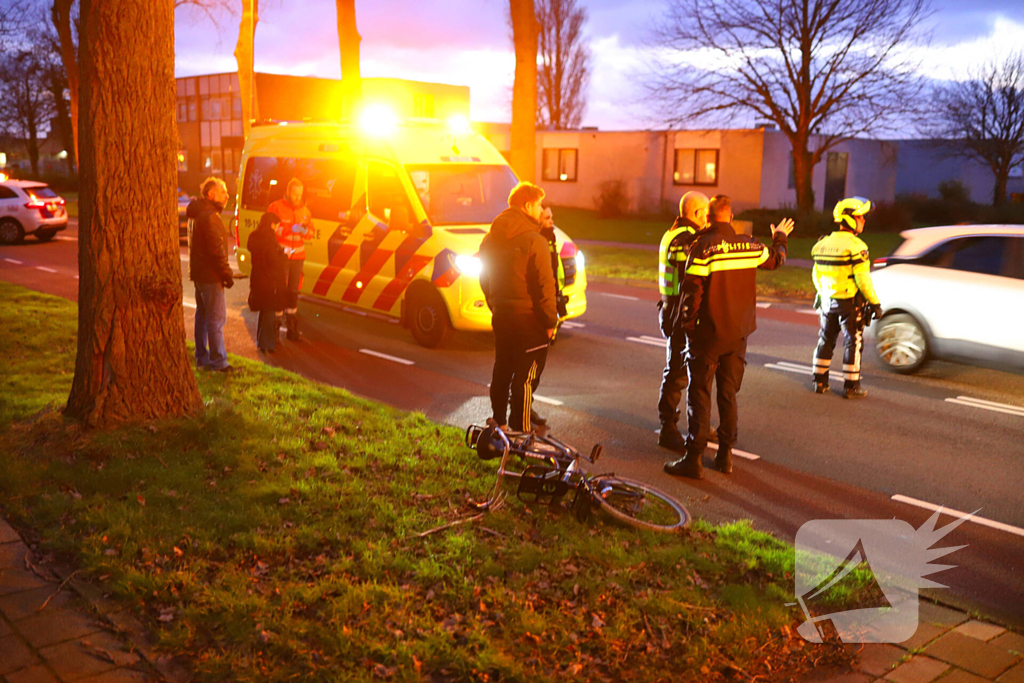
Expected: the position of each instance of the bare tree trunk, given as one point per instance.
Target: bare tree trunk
(348, 45)
(132, 363)
(803, 174)
(524, 89)
(244, 57)
(999, 192)
(33, 147)
(61, 12)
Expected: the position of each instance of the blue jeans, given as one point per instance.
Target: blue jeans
(211, 314)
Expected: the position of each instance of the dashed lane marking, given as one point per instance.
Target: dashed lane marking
(570, 325)
(736, 452)
(619, 296)
(987, 405)
(800, 369)
(10, 260)
(961, 515)
(808, 311)
(763, 304)
(545, 399)
(393, 359)
(46, 270)
(648, 341)
(66, 238)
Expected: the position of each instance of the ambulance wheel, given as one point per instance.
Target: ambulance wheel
(428, 318)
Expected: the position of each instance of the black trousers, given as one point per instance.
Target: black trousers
(294, 274)
(520, 352)
(846, 315)
(673, 379)
(723, 364)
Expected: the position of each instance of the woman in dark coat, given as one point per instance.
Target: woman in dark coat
(267, 283)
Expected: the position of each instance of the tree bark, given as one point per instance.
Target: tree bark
(132, 362)
(348, 45)
(61, 12)
(999, 191)
(524, 90)
(244, 57)
(803, 173)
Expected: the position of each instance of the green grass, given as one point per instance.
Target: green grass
(71, 199)
(641, 267)
(274, 538)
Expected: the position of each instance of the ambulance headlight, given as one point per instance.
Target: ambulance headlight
(459, 124)
(580, 261)
(469, 265)
(378, 120)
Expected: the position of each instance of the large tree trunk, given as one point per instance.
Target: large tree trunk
(132, 363)
(999, 191)
(803, 173)
(524, 89)
(244, 57)
(348, 45)
(33, 147)
(61, 12)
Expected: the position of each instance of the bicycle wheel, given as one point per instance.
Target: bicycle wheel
(639, 505)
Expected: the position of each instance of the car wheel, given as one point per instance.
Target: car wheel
(901, 343)
(45, 235)
(11, 231)
(428, 318)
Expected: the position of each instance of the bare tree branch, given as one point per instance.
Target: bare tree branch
(824, 71)
(563, 73)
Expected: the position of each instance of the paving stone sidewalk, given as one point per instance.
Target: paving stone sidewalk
(949, 647)
(49, 635)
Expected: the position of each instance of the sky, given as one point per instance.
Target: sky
(467, 42)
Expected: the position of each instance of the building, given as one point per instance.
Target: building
(209, 113)
(925, 164)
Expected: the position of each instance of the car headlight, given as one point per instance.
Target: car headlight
(469, 265)
(580, 261)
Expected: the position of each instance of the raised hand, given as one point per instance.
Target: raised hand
(785, 227)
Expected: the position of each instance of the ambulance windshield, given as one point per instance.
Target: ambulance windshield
(462, 194)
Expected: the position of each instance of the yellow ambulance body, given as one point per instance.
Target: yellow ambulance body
(399, 213)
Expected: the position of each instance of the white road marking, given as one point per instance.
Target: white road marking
(10, 260)
(185, 259)
(956, 513)
(987, 405)
(808, 311)
(801, 369)
(649, 342)
(736, 451)
(385, 356)
(46, 270)
(65, 238)
(568, 324)
(619, 296)
(188, 303)
(545, 399)
(763, 304)
(660, 340)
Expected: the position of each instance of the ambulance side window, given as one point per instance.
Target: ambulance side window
(329, 184)
(386, 197)
(260, 184)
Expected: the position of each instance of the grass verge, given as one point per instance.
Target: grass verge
(275, 538)
(640, 266)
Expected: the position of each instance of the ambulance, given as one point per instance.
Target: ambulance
(399, 209)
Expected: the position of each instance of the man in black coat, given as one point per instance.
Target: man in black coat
(519, 285)
(208, 268)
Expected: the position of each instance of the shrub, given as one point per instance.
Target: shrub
(612, 201)
(954, 191)
(891, 217)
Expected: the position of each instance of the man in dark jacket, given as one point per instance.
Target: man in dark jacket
(718, 314)
(519, 286)
(208, 268)
(675, 247)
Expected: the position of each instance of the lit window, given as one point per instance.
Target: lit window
(182, 160)
(560, 165)
(695, 167)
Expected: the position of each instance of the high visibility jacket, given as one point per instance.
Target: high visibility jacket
(719, 290)
(293, 243)
(842, 267)
(675, 246)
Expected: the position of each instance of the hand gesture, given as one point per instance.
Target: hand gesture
(785, 227)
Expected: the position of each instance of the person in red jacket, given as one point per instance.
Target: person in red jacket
(295, 229)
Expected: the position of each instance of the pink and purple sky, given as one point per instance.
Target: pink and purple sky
(467, 42)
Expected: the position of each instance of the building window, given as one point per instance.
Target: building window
(696, 167)
(561, 165)
(191, 109)
(182, 110)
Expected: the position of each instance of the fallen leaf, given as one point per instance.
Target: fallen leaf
(142, 501)
(596, 622)
(329, 431)
(178, 551)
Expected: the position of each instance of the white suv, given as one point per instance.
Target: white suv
(954, 293)
(28, 207)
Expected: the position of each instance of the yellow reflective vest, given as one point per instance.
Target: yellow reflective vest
(842, 267)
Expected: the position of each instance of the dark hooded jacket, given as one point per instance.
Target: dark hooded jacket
(268, 281)
(207, 244)
(517, 278)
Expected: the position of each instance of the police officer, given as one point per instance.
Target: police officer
(719, 313)
(519, 287)
(843, 279)
(675, 246)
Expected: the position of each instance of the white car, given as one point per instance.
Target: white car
(953, 293)
(28, 207)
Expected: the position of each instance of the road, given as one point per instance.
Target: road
(807, 456)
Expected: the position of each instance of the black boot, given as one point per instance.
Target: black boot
(723, 460)
(854, 391)
(820, 383)
(687, 466)
(671, 438)
(536, 419)
(292, 324)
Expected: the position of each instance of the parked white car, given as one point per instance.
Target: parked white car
(28, 207)
(954, 293)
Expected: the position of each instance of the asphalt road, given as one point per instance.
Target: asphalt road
(817, 457)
